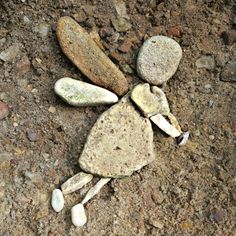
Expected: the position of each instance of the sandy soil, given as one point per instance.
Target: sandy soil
(186, 191)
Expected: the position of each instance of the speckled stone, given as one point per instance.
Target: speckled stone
(150, 101)
(79, 93)
(158, 59)
(88, 57)
(120, 142)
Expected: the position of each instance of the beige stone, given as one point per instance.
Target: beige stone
(120, 142)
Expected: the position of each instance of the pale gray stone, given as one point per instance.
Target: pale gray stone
(79, 93)
(57, 200)
(158, 59)
(10, 53)
(120, 142)
(150, 101)
(78, 215)
(207, 62)
(76, 182)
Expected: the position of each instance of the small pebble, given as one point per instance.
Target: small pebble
(207, 62)
(32, 135)
(218, 215)
(4, 110)
(121, 24)
(78, 215)
(229, 37)
(42, 29)
(150, 101)
(79, 93)
(52, 109)
(228, 73)
(10, 53)
(57, 200)
(158, 59)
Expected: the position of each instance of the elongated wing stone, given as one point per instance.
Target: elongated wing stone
(150, 101)
(79, 93)
(120, 142)
(88, 57)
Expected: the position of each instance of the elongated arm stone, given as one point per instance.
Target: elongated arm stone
(94, 190)
(88, 57)
(76, 182)
(165, 126)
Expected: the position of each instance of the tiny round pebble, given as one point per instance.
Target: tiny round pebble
(57, 200)
(4, 110)
(158, 59)
(78, 215)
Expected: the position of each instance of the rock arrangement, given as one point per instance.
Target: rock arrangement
(121, 141)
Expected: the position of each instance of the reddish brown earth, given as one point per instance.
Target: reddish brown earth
(186, 191)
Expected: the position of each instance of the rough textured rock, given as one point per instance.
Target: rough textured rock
(120, 142)
(207, 62)
(10, 53)
(79, 93)
(228, 73)
(88, 57)
(158, 59)
(150, 101)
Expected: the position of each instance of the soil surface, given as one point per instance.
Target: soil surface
(186, 191)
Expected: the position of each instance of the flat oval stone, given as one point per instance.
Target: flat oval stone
(158, 59)
(88, 57)
(120, 142)
(79, 93)
(57, 200)
(150, 101)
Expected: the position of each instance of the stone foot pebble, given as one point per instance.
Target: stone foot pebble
(94, 190)
(150, 101)
(165, 126)
(57, 200)
(79, 93)
(158, 59)
(76, 182)
(120, 142)
(78, 215)
(88, 57)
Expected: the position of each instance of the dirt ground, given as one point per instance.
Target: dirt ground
(186, 191)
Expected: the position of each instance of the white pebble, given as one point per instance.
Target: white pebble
(57, 200)
(165, 126)
(78, 215)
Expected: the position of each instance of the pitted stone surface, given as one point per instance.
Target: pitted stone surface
(158, 59)
(120, 142)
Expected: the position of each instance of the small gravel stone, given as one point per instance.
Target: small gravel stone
(229, 37)
(207, 62)
(121, 24)
(79, 93)
(32, 135)
(218, 215)
(52, 109)
(42, 29)
(4, 110)
(158, 59)
(150, 101)
(78, 215)
(23, 65)
(76, 182)
(57, 200)
(10, 53)
(228, 73)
